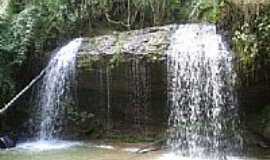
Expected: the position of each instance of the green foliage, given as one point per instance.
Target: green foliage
(246, 45)
(263, 34)
(130, 14)
(208, 10)
(23, 32)
(26, 30)
(251, 43)
(16, 36)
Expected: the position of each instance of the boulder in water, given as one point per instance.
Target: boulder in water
(7, 142)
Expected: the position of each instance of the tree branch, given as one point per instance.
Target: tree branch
(3, 110)
(116, 22)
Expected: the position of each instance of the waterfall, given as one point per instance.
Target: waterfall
(55, 90)
(203, 117)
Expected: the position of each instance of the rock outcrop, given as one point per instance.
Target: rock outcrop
(122, 82)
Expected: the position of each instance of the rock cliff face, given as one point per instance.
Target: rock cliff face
(255, 109)
(122, 83)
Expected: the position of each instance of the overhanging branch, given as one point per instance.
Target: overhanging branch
(116, 22)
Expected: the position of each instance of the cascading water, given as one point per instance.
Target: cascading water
(203, 120)
(55, 89)
(54, 93)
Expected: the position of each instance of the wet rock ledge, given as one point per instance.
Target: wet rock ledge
(139, 42)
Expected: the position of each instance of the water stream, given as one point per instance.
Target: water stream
(204, 117)
(54, 94)
(55, 89)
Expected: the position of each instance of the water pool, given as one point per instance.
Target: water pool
(60, 150)
(63, 150)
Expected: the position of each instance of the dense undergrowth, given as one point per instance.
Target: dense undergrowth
(249, 27)
(30, 28)
(251, 43)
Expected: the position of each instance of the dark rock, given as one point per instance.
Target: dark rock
(263, 145)
(122, 80)
(7, 142)
(266, 133)
(255, 114)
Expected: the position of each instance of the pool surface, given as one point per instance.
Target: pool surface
(66, 150)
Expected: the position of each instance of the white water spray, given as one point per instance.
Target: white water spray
(203, 120)
(55, 89)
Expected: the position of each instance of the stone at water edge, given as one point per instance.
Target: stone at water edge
(266, 133)
(7, 142)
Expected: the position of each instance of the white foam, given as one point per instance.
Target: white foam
(56, 88)
(43, 145)
(173, 156)
(203, 108)
(131, 149)
(105, 147)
